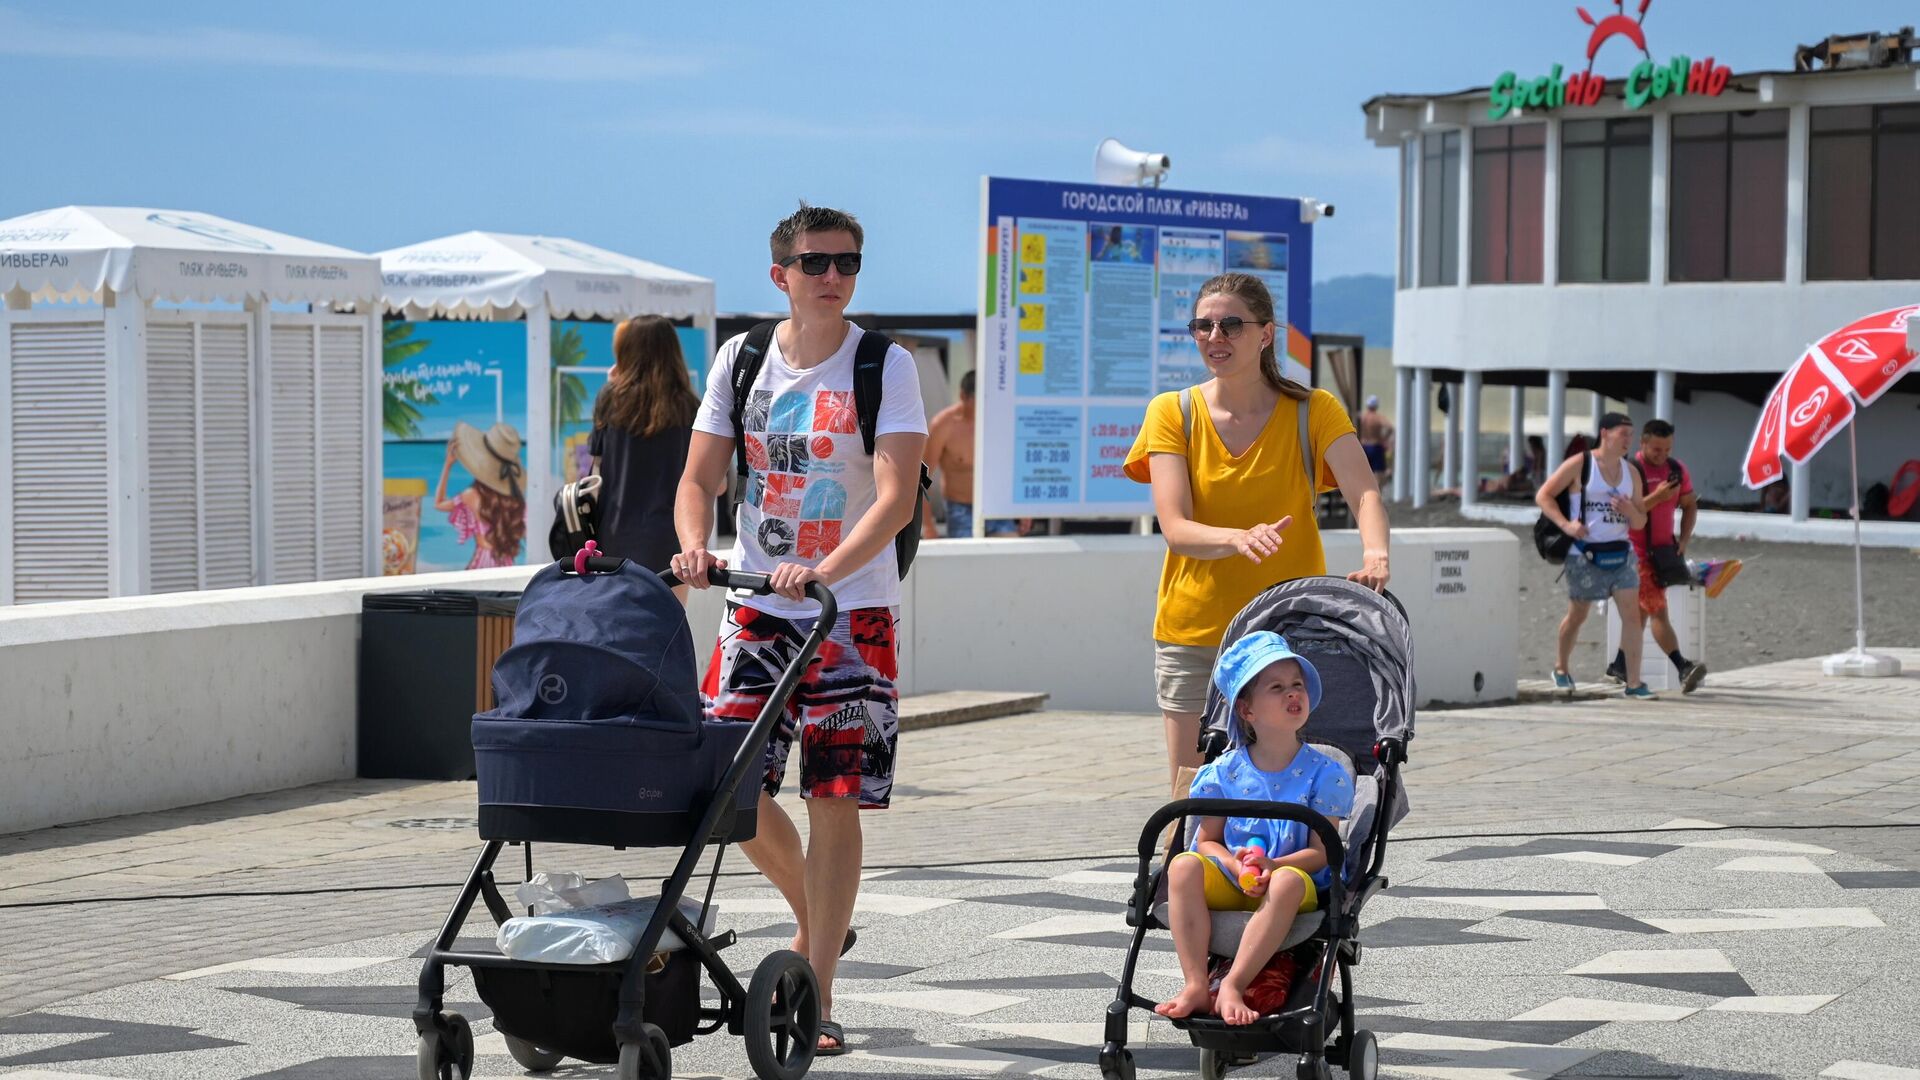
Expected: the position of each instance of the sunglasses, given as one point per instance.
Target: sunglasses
(1229, 326)
(814, 263)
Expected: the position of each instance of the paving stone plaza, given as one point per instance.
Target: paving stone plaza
(1720, 886)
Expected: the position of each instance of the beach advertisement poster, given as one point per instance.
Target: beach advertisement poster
(454, 413)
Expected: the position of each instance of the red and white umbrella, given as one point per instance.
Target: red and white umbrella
(1809, 406)
(1815, 398)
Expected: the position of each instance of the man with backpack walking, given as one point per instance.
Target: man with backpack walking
(1659, 550)
(823, 422)
(1603, 507)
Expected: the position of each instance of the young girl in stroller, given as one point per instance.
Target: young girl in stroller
(1273, 868)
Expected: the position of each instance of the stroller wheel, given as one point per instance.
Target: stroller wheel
(1313, 1068)
(448, 1057)
(531, 1057)
(1214, 1064)
(1116, 1065)
(634, 1063)
(782, 1023)
(1363, 1056)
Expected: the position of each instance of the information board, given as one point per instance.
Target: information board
(1087, 290)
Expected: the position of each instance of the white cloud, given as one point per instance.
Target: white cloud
(614, 58)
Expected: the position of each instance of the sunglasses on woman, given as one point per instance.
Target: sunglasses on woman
(814, 263)
(1229, 326)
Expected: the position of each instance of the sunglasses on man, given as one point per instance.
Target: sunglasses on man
(814, 263)
(1229, 326)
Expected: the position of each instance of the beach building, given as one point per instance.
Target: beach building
(1643, 222)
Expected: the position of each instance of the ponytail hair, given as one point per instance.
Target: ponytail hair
(1252, 292)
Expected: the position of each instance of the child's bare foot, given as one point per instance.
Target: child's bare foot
(1233, 1008)
(1192, 998)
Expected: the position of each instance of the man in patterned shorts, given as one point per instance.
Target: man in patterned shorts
(817, 507)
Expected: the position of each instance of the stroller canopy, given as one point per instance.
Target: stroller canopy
(605, 648)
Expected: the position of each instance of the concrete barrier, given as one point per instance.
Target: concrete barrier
(141, 703)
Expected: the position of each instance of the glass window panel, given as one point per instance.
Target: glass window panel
(1761, 122)
(1627, 131)
(1489, 138)
(1583, 185)
(1697, 227)
(1699, 125)
(1896, 211)
(1842, 118)
(1450, 225)
(1529, 134)
(1527, 215)
(1489, 253)
(1629, 211)
(1580, 132)
(1839, 206)
(1757, 210)
(1900, 116)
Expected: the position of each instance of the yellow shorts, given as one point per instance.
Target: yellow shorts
(1223, 888)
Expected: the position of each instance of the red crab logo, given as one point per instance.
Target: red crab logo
(1613, 26)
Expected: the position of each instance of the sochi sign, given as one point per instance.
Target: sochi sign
(1648, 81)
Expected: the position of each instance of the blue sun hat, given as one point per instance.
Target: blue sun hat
(1249, 656)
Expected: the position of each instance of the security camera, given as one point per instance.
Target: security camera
(1312, 210)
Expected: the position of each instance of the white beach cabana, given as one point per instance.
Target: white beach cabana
(150, 442)
(537, 279)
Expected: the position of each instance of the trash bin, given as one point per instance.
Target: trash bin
(426, 666)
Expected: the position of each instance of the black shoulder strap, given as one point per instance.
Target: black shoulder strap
(869, 371)
(746, 371)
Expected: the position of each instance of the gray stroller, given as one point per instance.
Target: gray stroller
(1362, 646)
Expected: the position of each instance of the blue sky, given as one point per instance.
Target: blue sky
(681, 132)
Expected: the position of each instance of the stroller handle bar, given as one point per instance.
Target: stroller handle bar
(1253, 808)
(759, 585)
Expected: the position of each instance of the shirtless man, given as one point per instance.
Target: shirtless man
(1376, 436)
(950, 452)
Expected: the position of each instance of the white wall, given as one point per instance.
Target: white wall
(136, 704)
(1685, 327)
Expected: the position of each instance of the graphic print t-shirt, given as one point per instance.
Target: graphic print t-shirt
(809, 476)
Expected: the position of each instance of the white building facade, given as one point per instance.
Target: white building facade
(1673, 240)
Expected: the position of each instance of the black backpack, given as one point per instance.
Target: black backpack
(869, 369)
(1548, 540)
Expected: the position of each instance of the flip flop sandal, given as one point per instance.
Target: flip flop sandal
(832, 1030)
(847, 945)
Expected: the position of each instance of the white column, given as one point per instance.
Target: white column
(1465, 266)
(1450, 441)
(1516, 427)
(1798, 478)
(260, 326)
(1550, 210)
(1468, 406)
(1402, 433)
(1663, 395)
(376, 475)
(1422, 432)
(1657, 216)
(1798, 125)
(127, 520)
(538, 438)
(1556, 415)
(1599, 410)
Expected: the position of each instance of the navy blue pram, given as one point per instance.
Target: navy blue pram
(599, 739)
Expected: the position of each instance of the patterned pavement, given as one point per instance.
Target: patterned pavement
(1685, 949)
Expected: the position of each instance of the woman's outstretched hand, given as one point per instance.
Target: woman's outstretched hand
(1262, 540)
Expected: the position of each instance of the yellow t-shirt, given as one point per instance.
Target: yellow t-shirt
(1198, 597)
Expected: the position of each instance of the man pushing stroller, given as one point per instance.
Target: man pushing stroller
(1273, 868)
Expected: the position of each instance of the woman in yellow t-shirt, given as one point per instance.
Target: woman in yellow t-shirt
(1231, 494)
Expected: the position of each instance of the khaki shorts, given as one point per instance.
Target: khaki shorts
(1181, 674)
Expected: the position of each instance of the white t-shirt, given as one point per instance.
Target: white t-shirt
(1605, 525)
(809, 476)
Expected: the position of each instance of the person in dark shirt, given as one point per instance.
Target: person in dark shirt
(642, 422)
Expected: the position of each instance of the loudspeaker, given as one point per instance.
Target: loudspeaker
(1117, 164)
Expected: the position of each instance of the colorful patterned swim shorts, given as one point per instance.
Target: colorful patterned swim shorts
(845, 711)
